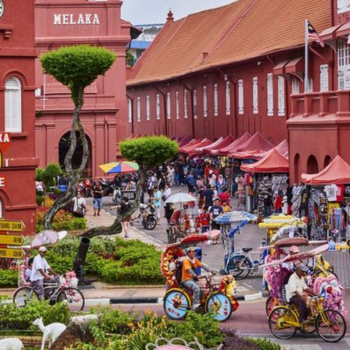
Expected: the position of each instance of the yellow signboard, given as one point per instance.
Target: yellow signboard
(11, 253)
(11, 240)
(13, 226)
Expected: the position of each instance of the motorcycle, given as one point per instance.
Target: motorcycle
(146, 217)
(106, 186)
(85, 187)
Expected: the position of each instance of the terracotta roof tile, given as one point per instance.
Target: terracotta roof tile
(236, 32)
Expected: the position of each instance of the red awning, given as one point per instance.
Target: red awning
(273, 162)
(296, 67)
(202, 150)
(280, 68)
(344, 30)
(184, 142)
(190, 143)
(191, 150)
(330, 33)
(337, 172)
(281, 147)
(256, 143)
(224, 151)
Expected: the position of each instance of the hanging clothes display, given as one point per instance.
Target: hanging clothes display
(296, 199)
(318, 214)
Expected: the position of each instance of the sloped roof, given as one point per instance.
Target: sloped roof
(224, 151)
(240, 31)
(273, 162)
(282, 148)
(217, 145)
(191, 150)
(256, 143)
(337, 172)
(190, 144)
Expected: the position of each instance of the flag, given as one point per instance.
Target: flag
(312, 34)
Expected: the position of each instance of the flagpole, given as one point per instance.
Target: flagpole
(306, 80)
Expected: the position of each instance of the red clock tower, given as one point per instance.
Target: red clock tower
(17, 111)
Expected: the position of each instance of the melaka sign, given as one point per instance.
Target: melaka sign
(69, 18)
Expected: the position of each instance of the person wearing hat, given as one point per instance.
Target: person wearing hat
(297, 291)
(40, 266)
(189, 276)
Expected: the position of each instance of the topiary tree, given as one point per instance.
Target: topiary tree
(75, 67)
(49, 174)
(147, 152)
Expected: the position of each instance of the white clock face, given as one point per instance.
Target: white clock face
(2, 8)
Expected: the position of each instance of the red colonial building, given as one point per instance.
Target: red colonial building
(17, 112)
(241, 68)
(94, 22)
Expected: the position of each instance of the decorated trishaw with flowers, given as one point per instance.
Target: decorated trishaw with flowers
(326, 307)
(217, 297)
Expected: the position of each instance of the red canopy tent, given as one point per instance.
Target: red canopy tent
(224, 151)
(273, 162)
(281, 148)
(191, 150)
(183, 142)
(189, 144)
(202, 150)
(218, 145)
(255, 143)
(337, 172)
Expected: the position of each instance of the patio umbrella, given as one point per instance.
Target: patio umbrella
(119, 167)
(181, 198)
(45, 237)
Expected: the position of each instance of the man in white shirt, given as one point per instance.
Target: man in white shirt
(296, 289)
(40, 266)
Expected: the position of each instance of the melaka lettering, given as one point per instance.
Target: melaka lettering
(69, 18)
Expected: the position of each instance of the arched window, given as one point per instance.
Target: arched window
(312, 165)
(327, 161)
(297, 168)
(13, 105)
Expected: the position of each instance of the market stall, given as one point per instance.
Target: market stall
(328, 201)
(220, 143)
(231, 147)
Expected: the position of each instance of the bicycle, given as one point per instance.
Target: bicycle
(284, 322)
(241, 264)
(176, 232)
(55, 292)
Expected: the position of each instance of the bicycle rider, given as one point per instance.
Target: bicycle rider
(40, 266)
(297, 291)
(180, 216)
(189, 274)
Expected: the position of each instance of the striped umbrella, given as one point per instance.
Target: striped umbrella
(119, 167)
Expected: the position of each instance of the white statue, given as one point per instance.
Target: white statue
(11, 344)
(51, 331)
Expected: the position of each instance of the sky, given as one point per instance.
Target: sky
(155, 11)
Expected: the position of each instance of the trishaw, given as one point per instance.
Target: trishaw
(326, 310)
(216, 297)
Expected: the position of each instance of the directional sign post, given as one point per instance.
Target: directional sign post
(11, 239)
(11, 253)
(12, 226)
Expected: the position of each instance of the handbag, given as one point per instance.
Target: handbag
(80, 211)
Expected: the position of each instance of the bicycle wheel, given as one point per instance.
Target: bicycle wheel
(220, 306)
(239, 268)
(271, 303)
(176, 303)
(282, 322)
(23, 296)
(73, 297)
(151, 222)
(330, 325)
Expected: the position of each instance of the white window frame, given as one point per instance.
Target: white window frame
(129, 110)
(13, 105)
(343, 6)
(343, 65)
(240, 97)
(255, 96)
(148, 108)
(228, 98)
(195, 104)
(216, 100)
(205, 102)
(270, 109)
(185, 104)
(168, 105)
(295, 85)
(281, 96)
(177, 105)
(158, 107)
(138, 109)
(324, 77)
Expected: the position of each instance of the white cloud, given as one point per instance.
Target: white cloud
(155, 11)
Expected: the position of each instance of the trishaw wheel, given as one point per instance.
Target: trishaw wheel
(220, 306)
(282, 322)
(23, 296)
(73, 297)
(239, 268)
(330, 326)
(176, 303)
(271, 303)
(151, 223)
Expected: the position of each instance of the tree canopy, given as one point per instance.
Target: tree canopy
(149, 152)
(77, 66)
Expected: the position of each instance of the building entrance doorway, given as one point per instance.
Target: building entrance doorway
(78, 154)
